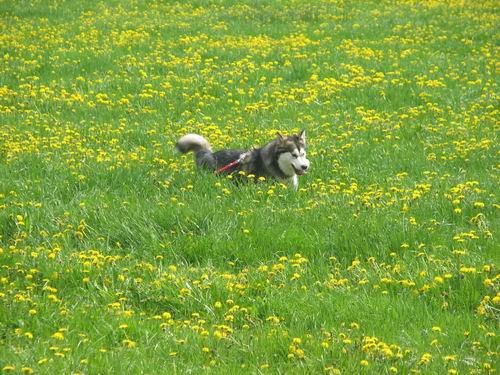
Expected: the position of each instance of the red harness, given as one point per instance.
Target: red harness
(232, 164)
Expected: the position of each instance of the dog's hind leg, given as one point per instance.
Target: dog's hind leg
(205, 159)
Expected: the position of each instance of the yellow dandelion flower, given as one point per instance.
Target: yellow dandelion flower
(129, 343)
(425, 359)
(58, 336)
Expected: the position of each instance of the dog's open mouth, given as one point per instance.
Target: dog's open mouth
(299, 172)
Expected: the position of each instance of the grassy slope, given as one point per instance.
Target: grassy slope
(387, 252)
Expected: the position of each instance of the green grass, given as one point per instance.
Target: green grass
(117, 256)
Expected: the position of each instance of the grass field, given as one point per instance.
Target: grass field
(117, 256)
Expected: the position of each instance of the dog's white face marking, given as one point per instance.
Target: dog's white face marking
(294, 162)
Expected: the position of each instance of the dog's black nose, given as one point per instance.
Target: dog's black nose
(304, 167)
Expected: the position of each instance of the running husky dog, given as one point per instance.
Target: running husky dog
(283, 158)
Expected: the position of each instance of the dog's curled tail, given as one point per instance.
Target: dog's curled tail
(201, 148)
(192, 142)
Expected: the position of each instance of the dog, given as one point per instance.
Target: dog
(284, 158)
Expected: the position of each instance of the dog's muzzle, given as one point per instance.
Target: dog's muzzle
(302, 170)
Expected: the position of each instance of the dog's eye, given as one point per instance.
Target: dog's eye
(295, 156)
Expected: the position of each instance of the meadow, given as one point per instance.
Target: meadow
(117, 256)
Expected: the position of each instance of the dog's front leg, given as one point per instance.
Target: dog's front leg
(294, 181)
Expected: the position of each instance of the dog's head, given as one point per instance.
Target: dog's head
(291, 153)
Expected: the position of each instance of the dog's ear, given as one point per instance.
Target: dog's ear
(280, 137)
(302, 136)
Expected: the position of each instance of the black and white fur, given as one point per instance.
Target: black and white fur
(283, 158)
